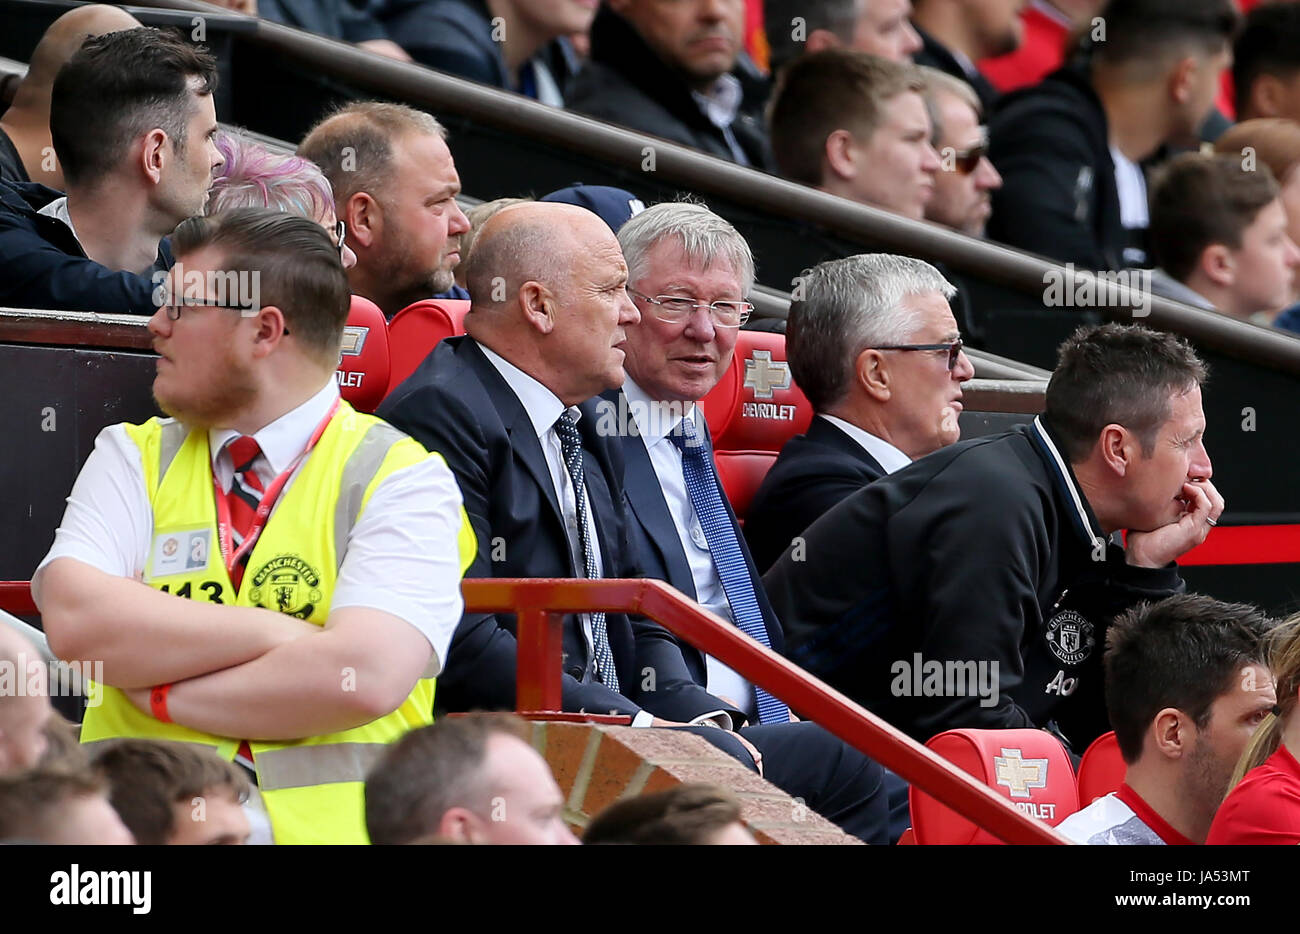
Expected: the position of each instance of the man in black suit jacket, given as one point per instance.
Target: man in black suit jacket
(679, 521)
(955, 34)
(870, 343)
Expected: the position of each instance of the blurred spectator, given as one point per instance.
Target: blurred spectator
(318, 630)
(676, 70)
(1263, 806)
(25, 714)
(470, 779)
(993, 560)
(174, 794)
(63, 749)
(878, 27)
(855, 126)
(877, 409)
(477, 217)
(688, 815)
(961, 198)
(59, 808)
(1219, 236)
(395, 188)
(1186, 686)
(955, 34)
(26, 153)
(253, 176)
(518, 45)
(1266, 63)
(348, 20)
(1046, 28)
(1070, 148)
(133, 122)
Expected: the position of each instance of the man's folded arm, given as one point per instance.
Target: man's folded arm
(359, 668)
(144, 636)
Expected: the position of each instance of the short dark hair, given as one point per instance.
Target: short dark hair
(686, 815)
(1269, 44)
(297, 264)
(431, 770)
(1117, 374)
(1182, 652)
(779, 20)
(147, 777)
(116, 88)
(827, 91)
(31, 802)
(1152, 32)
(1200, 200)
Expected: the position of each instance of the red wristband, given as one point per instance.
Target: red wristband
(158, 702)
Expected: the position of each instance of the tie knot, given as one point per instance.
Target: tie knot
(686, 437)
(243, 451)
(566, 426)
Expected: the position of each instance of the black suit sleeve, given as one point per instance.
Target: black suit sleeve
(482, 661)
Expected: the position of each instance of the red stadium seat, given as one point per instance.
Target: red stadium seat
(363, 363)
(752, 412)
(416, 330)
(1101, 770)
(1030, 768)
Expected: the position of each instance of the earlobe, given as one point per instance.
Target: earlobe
(1167, 729)
(538, 305)
(364, 218)
(840, 154)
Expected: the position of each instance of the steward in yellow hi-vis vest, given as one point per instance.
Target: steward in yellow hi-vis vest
(312, 788)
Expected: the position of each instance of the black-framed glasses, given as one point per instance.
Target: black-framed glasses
(677, 308)
(952, 347)
(173, 309)
(340, 236)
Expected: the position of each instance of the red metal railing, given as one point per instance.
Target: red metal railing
(540, 604)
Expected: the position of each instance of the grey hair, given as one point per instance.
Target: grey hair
(940, 82)
(843, 306)
(704, 236)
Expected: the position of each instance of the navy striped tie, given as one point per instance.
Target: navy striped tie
(728, 559)
(566, 426)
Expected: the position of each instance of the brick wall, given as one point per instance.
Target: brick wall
(595, 765)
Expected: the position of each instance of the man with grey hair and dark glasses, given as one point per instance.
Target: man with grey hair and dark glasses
(991, 563)
(874, 346)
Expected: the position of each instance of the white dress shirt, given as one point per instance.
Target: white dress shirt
(656, 421)
(887, 456)
(401, 555)
(58, 209)
(544, 409)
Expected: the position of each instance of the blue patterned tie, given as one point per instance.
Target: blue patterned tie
(702, 485)
(566, 426)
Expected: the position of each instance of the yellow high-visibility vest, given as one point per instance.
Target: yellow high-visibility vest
(312, 788)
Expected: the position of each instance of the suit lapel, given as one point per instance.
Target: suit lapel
(832, 435)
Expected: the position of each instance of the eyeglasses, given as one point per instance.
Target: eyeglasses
(173, 309)
(340, 235)
(677, 308)
(953, 348)
(966, 161)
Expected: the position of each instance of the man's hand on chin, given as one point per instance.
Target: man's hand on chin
(1157, 548)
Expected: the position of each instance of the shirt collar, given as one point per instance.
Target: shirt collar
(58, 209)
(721, 102)
(1148, 816)
(286, 437)
(542, 405)
(887, 456)
(655, 420)
(1084, 522)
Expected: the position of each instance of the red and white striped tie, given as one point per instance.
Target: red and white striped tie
(245, 494)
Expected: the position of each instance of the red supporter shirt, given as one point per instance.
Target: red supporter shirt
(1264, 808)
(1149, 817)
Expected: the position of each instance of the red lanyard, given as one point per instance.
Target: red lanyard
(231, 556)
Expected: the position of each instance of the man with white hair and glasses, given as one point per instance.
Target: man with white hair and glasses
(874, 346)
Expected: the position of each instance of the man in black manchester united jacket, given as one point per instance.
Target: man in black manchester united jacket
(974, 587)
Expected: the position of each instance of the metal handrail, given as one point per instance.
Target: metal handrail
(539, 605)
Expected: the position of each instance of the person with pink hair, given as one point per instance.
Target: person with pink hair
(255, 176)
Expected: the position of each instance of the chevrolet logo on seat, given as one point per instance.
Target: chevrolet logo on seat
(354, 338)
(1020, 774)
(763, 374)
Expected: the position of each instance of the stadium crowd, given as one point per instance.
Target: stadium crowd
(321, 549)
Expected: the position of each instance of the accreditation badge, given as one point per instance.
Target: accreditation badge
(180, 551)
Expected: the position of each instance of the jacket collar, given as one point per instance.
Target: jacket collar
(1081, 515)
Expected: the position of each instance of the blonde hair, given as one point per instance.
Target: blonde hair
(1283, 653)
